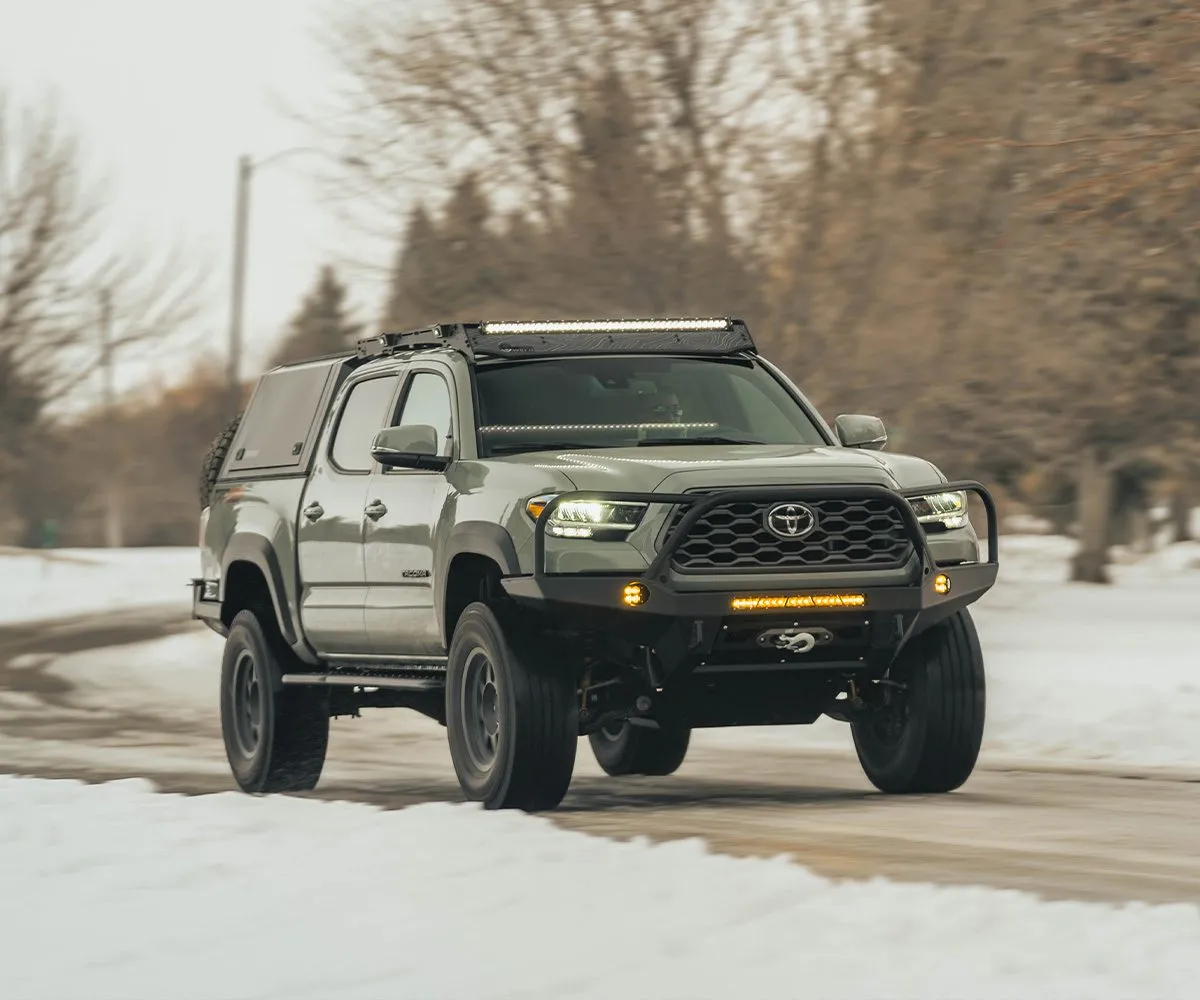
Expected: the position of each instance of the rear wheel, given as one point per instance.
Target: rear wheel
(622, 748)
(511, 716)
(927, 737)
(275, 737)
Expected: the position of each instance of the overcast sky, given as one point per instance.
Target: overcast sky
(166, 94)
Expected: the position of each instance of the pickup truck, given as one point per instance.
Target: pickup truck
(621, 529)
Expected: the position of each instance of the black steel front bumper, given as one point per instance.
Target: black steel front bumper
(915, 604)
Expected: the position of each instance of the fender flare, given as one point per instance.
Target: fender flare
(480, 538)
(258, 551)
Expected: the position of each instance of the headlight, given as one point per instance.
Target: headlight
(601, 520)
(948, 509)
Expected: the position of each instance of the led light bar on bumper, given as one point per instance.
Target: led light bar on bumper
(609, 326)
(781, 602)
(946, 509)
(599, 520)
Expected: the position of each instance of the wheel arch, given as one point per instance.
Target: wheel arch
(475, 557)
(250, 567)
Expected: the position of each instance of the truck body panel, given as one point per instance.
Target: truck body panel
(346, 582)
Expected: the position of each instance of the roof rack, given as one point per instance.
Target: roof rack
(507, 339)
(427, 338)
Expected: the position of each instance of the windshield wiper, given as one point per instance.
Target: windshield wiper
(710, 439)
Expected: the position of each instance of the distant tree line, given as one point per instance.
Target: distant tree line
(978, 220)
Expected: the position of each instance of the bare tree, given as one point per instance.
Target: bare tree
(70, 295)
(493, 85)
(1016, 248)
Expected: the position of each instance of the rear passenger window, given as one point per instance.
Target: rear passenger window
(364, 415)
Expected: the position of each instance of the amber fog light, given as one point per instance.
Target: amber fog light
(635, 595)
(941, 584)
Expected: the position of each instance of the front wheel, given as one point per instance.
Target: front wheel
(622, 748)
(275, 737)
(511, 715)
(926, 738)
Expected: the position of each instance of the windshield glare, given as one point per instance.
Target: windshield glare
(623, 402)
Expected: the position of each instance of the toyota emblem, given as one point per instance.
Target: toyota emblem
(791, 520)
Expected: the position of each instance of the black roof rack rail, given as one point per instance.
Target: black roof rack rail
(533, 338)
(440, 335)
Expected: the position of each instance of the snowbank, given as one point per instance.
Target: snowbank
(128, 893)
(35, 585)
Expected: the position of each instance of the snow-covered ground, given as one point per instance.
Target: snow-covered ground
(35, 585)
(127, 893)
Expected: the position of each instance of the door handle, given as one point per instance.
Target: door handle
(375, 510)
(314, 511)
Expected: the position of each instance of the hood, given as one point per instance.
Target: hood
(676, 469)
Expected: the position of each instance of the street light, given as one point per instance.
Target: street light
(241, 220)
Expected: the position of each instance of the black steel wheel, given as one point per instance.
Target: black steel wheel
(511, 715)
(275, 737)
(926, 737)
(246, 698)
(622, 748)
(480, 707)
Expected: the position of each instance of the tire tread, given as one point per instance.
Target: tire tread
(300, 728)
(945, 668)
(546, 729)
(214, 459)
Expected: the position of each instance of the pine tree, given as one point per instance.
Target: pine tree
(447, 269)
(630, 239)
(321, 325)
(412, 296)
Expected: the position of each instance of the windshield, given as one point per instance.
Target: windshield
(625, 402)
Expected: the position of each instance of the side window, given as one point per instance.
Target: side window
(363, 416)
(428, 402)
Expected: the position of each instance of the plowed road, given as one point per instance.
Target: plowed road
(1061, 833)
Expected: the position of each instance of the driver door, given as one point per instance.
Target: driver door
(404, 509)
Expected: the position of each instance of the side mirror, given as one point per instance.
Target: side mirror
(413, 446)
(857, 430)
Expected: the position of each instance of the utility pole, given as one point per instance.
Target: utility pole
(238, 287)
(246, 169)
(113, 534)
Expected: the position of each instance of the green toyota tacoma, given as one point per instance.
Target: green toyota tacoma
(619, 529)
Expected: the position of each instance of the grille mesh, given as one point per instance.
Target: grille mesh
(849, 534)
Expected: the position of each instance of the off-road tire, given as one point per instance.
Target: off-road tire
(513, 738)
(630, 749)
(277, 742)
(932, 741)
(214, 458)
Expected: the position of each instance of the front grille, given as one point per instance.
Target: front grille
(849, 534)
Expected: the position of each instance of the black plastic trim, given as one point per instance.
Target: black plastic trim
(670, 600)
(258, 551)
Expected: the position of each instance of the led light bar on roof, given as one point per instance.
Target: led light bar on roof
(609, 326)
